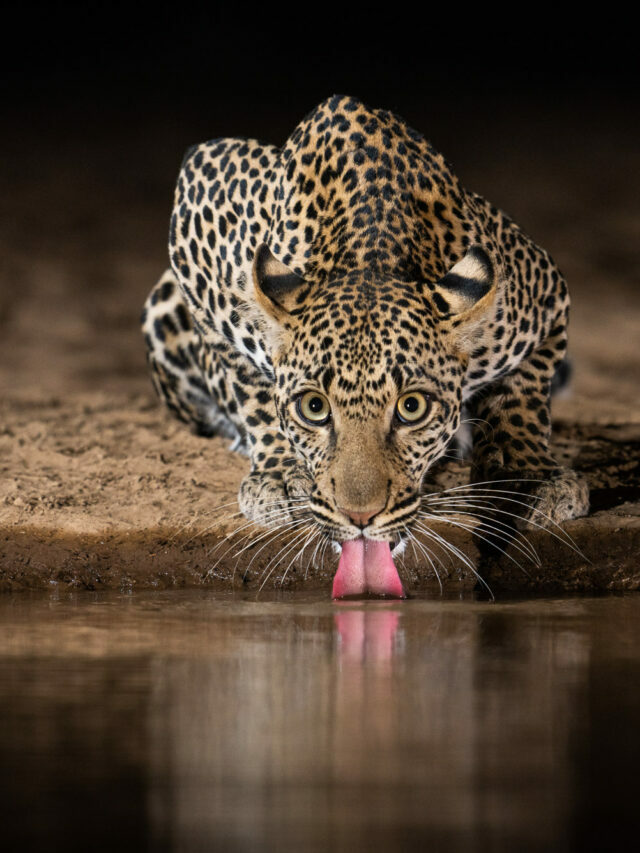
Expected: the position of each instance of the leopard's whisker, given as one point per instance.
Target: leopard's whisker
(458, 553)
(275, 561)
(232, 544)
(279, 525)
(474, 531)
(307, 543)
(280, 514)
(291, 528)
(327, 543)
(449, 557)
(478, 421)
(217, 522)
(480, 494)
(281, 509)
(229, 541)
(425, 551)
(445, 545)
(183, 528)
(282, 530)
(266, 536)
(566, 539)
(304, 530)
(468, 486)
(319, 543)
(473, 510)
(503, 528)
(214, 524)
(440, 562)
(232, 538)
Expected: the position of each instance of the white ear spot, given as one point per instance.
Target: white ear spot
(470, 267)
(466, 283)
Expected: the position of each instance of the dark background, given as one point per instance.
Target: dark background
(100, 103)
(264, 70)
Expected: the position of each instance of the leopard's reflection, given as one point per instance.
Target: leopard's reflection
(366, 635)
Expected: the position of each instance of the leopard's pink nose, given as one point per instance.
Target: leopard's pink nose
(360, 518)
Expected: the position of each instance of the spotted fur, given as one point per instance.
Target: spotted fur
(352, 262)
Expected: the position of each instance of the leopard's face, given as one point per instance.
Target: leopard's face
(368, 392)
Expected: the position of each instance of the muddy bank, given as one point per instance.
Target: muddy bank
(104, 491)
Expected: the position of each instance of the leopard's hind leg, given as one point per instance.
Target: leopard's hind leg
(183, 370)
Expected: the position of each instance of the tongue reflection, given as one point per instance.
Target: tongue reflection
(367, 567)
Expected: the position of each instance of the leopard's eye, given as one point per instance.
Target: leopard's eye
(313, 408)
(412, 407)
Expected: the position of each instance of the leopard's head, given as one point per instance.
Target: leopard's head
(368, 383)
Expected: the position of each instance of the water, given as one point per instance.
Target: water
(191, 721)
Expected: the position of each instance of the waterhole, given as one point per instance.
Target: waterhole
(202, 721)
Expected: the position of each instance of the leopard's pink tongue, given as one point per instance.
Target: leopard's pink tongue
(367, 567)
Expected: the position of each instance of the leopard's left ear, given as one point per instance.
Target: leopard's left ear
(465, 295)
(466, 284)
(275, 285)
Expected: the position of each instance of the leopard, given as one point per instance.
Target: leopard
(336, 307)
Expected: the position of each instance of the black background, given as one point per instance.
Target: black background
(100, 102)
(231, 69)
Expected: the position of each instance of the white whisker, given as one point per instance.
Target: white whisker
(459, 554)
(484, 539)
(272, 532)
(504, 531)
(292, 528)
(312, 533)
(425, 551)
(281, 514)
(566, 539)
(280, 557)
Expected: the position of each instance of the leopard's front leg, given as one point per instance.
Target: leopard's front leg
(276, 488)
(511, 442)
(274, 491)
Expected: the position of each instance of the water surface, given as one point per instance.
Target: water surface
(198, 721)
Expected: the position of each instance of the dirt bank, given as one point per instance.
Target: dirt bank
(104, 491)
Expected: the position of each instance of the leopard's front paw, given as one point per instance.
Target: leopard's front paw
(262, 497)
(561, 497)
(275, 496)
(508, 501)
(545, 497)
(298, 482)
(513, 503)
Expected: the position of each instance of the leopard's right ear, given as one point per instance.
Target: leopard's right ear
(276, 287)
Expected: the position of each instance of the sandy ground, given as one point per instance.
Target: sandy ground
(99, 488)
